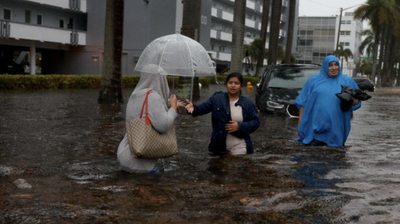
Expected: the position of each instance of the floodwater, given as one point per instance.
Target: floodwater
(60, 146)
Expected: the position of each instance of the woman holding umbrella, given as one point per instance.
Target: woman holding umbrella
(161, 117)
(234, 118)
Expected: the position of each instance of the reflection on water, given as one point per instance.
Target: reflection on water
(64, 144)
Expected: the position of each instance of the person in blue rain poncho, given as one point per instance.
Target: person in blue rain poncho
(321, 119)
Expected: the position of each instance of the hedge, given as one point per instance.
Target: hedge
(14, 82)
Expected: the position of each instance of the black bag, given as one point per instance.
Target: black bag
(347, 95)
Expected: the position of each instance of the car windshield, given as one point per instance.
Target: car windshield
(293, 78)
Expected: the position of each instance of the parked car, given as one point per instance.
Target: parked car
(365, 84)
(280, 85)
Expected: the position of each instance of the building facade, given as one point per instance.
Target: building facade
(317, 38)
(350, 37)
(67, 36)
(32, 32)
(221, 28)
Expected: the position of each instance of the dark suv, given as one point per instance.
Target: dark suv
(280, 85)
(364, 84)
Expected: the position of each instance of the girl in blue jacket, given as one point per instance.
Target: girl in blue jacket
(234, 118)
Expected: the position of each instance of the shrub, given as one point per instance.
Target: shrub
(13, 82)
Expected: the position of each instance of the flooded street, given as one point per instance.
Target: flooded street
(58, 164)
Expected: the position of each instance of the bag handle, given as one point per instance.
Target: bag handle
(145, 103)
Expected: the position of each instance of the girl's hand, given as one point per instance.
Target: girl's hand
(181, 103)
(232, 126)
(189, 106)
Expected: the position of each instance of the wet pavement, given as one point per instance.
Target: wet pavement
(58, 165)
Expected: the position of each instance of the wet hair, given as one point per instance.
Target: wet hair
(237, 75)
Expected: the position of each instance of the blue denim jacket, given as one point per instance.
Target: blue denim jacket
(218, 104)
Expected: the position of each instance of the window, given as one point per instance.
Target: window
(71, 23)
(7, 14)
(27, 16)
(39, 19)
(345, 33)
(61, 23)
(348, 22)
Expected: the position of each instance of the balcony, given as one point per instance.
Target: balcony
(76, 5)
(42, 34)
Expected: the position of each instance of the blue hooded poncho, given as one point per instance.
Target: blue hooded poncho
(322, 118)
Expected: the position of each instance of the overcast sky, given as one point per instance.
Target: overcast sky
(327, 7)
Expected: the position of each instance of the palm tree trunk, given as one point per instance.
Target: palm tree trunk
(392, 58)
(274, 31)
(381, 55)
(111, 85)
(238, 35)
(191, 23)
(264, 29)
(375, 53)
(386, 79)
(289, 43)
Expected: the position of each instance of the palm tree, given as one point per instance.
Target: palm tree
(264, 29)
(238, 35)
(191, 22)
(343, 54)
(111, 85)
(290, 32)
(368, 43)
(281, 53)
(274, 31)
(254, 53)
(376, 11)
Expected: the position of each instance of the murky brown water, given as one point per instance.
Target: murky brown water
(64, 145)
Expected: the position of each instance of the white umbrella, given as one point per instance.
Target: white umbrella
(177, 55)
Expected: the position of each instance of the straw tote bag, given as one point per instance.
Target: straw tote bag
(146, 142)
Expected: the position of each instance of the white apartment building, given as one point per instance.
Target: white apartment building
(47, 24)
(350, 37)
(67, 36)
(221, 27)
(317, 38)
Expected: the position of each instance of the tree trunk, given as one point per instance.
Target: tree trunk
(191, 23)
(396, 62)
(385, 72)
(381, 55)
(111, 86)
(274, 31)
(264, 30)
(290, 32)
(375, 53)
(392, 58)
(239, 16)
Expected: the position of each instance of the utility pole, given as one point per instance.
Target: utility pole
(338, 33)
(340, 22)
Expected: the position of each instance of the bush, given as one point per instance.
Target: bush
(14, 82)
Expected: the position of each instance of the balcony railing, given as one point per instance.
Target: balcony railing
(75, 5)
(43, 34)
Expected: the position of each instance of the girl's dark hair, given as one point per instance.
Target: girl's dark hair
(237, 75)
